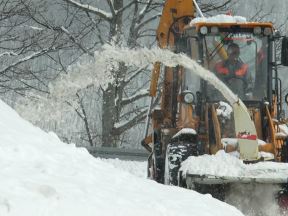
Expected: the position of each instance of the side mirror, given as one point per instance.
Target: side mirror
(286, 99)
(284, 52)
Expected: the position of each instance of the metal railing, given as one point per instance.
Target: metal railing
(120, 153)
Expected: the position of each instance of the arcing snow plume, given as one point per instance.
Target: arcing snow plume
(142, 57)
(98, 72)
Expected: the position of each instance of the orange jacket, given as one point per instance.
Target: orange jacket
(240, 69)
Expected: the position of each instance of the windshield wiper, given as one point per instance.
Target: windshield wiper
(219, 46)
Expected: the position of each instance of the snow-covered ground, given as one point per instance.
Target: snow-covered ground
(41, 176)
(137, 168)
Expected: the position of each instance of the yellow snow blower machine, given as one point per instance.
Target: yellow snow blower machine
(195, 120)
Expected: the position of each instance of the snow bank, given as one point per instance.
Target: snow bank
(221, 18)
(137, 168)
(40, 175)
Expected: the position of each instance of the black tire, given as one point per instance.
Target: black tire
(175, 155)
(150, 168)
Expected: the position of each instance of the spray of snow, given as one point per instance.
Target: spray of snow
(97, 72)
(254, 199)
(141, 57)
(84, 74)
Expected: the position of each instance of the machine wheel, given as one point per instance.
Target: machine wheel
(150, 167)
(175, 154)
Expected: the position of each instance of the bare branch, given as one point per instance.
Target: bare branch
(135, 97)
(121, 128)
(76, 41)
(141, 25)
(126, 6)
(90, 9)
(25, 59)
(111, 7)
(133, 75)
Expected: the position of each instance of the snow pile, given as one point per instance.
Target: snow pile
(283, 131)
(185, 131)
(234, 142)
(137, 168)
(251, 199)
(221, 18)
(224, 110)
(40, 175)
(223, 164)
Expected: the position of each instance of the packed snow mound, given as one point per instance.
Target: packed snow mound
(234, 142)
(40, 175)
(223, 164)
(137, 168)
(221, 18)
(224, 110)
(185, 131)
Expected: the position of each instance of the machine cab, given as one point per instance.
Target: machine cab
(241, 55)
(238, 54)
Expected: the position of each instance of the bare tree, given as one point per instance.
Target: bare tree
(22, 43)
(62, 31)
(108, 27)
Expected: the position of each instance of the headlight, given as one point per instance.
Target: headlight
(257, 30)
(189, 98)
(267, 31)
(204, 30)
(214, 30)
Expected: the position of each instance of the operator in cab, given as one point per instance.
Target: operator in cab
(233, 72)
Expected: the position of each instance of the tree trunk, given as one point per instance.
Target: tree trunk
(112, 97)
(110, 105)
(108, 116)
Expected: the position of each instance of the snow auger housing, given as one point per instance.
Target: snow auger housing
(193, 117)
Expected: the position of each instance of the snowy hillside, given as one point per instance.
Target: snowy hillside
(40, 175)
